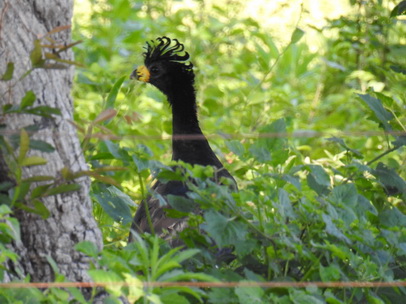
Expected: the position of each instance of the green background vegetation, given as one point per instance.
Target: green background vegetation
(324, 201)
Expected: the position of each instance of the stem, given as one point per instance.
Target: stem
(310, 270)
(145, 202)
(280, 55)
(382, 155)
(372, 161)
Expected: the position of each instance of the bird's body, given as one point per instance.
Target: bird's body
(165, 68)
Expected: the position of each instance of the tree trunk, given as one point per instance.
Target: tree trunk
(70, 220)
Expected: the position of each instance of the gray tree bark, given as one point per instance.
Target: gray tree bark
(71, 219)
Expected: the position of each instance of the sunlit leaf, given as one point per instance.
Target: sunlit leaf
(24, 146)
(296, 35)
(111, 98)
(106, 277)
(115, 206)
(28, 100)
(33, 161)
(88, 248)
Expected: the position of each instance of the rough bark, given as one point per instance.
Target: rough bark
(71, 219)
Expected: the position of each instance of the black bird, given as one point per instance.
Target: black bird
(166, 67)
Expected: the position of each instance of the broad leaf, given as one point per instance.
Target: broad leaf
(225, 231)
(391, 180)
(296, 35)
(318, 179)
(62, 189)
(181, 203)
(376, 106)
(33, 161)
(28, 100)
(8, 74)
(88, 248)
(41, 145)
(399, 9)
(111, 98)
(115, 206)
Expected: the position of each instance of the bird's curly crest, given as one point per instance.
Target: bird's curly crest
(161, 49)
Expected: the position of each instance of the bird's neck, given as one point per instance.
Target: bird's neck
(184, 113)
(188, 141)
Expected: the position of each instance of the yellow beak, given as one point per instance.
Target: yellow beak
(141, 74)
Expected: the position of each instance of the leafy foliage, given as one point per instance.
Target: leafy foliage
(326, 207)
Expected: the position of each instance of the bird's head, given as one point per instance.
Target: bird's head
(166, 66)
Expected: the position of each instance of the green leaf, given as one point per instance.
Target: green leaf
(8, 74)
(185, 255)
(365, 207)
(115, 206)
(301, 297)
(24, 144)
(7, 108)
(399, 9)
(296, 35)
(398, 69)
(4, 209)
(13, 228)
(250, 294)
(33, 161)
(236, 147)
(392, 182)
(40, 209)
(36, 55)
(88, 248)
(271, 147)
(104, 276)
(318, 179)
(345, 194)
(392, 218)
(225, 231)
(62, 189)
(169, 175)
(329, 273)
(41, 145)
(111, 98)
(123, 196)
(341, 142)
(284, 204)
(39, 191)
(117, 151)
(181, 203)
(376, 106)
(173, 298)
(28, 99)
(179, 275)
(223, 296)
(332, 229)
(44, 111)
(400, 141)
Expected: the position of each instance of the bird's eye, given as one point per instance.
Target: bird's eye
(154, 70)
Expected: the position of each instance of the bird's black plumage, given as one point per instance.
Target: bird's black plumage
(166, 67)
